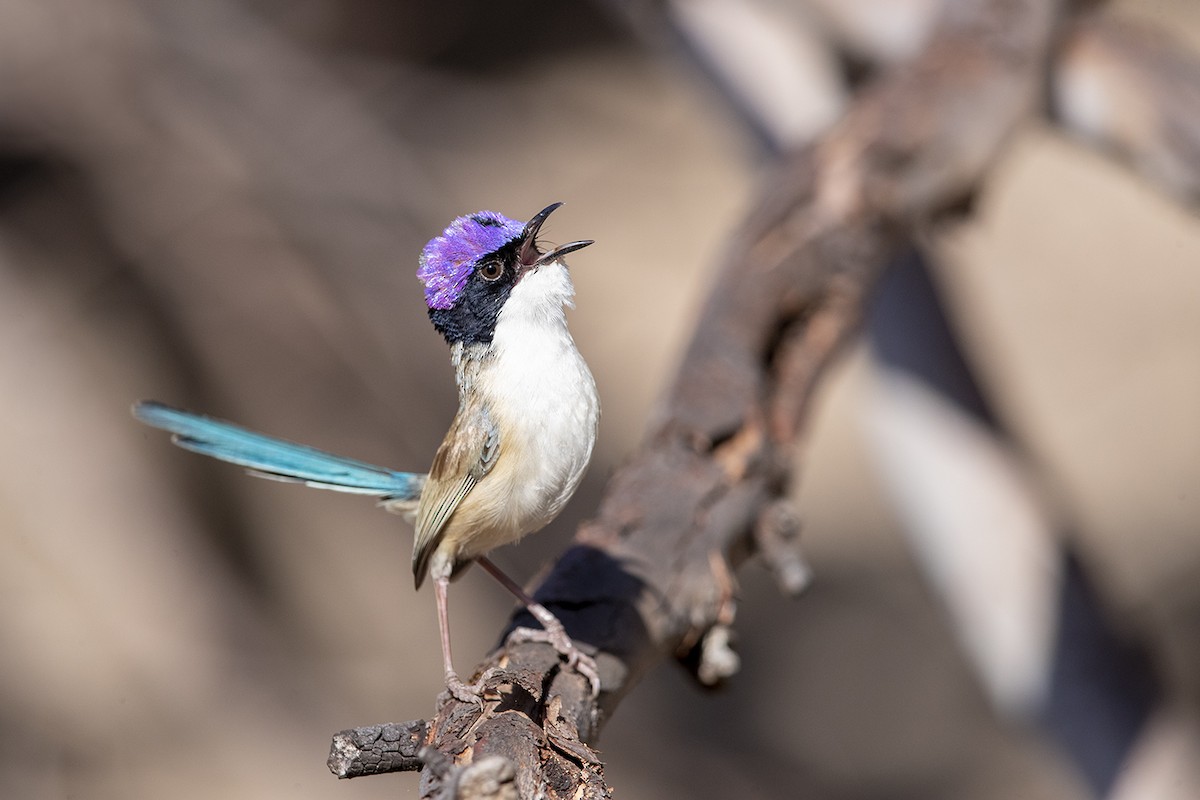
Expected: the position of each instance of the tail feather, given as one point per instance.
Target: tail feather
(268, 457)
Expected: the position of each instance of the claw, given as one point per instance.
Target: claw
(465, 692)
(553, 632)
(557, 638)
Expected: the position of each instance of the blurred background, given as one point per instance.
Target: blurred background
(219, 203)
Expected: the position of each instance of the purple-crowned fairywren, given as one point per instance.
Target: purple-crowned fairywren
(517, 448)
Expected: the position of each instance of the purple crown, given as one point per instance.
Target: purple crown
(447, 260)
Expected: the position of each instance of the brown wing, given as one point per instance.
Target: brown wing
(468, 453)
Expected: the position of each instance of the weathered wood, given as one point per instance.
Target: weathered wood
(377, 749)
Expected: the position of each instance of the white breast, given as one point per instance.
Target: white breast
(544, 398)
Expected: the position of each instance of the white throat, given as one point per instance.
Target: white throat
(539, 298)
(539, 385)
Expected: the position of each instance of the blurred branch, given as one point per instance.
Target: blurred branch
(1135, 92)
(1117, 84)
(653, 575)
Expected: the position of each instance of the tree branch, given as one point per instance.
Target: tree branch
(376, 749)
(653, 574)
(1134, 92)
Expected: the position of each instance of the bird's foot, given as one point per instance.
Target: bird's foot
(467, 692)
(556, 636)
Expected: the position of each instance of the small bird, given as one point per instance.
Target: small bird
(519, 444)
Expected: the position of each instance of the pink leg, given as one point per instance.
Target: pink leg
(454, 684)
(553, 634)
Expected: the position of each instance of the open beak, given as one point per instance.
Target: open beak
(529, 253)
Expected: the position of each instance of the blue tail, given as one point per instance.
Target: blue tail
(268, 457)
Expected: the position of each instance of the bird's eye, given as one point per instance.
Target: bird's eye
(491, 270)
